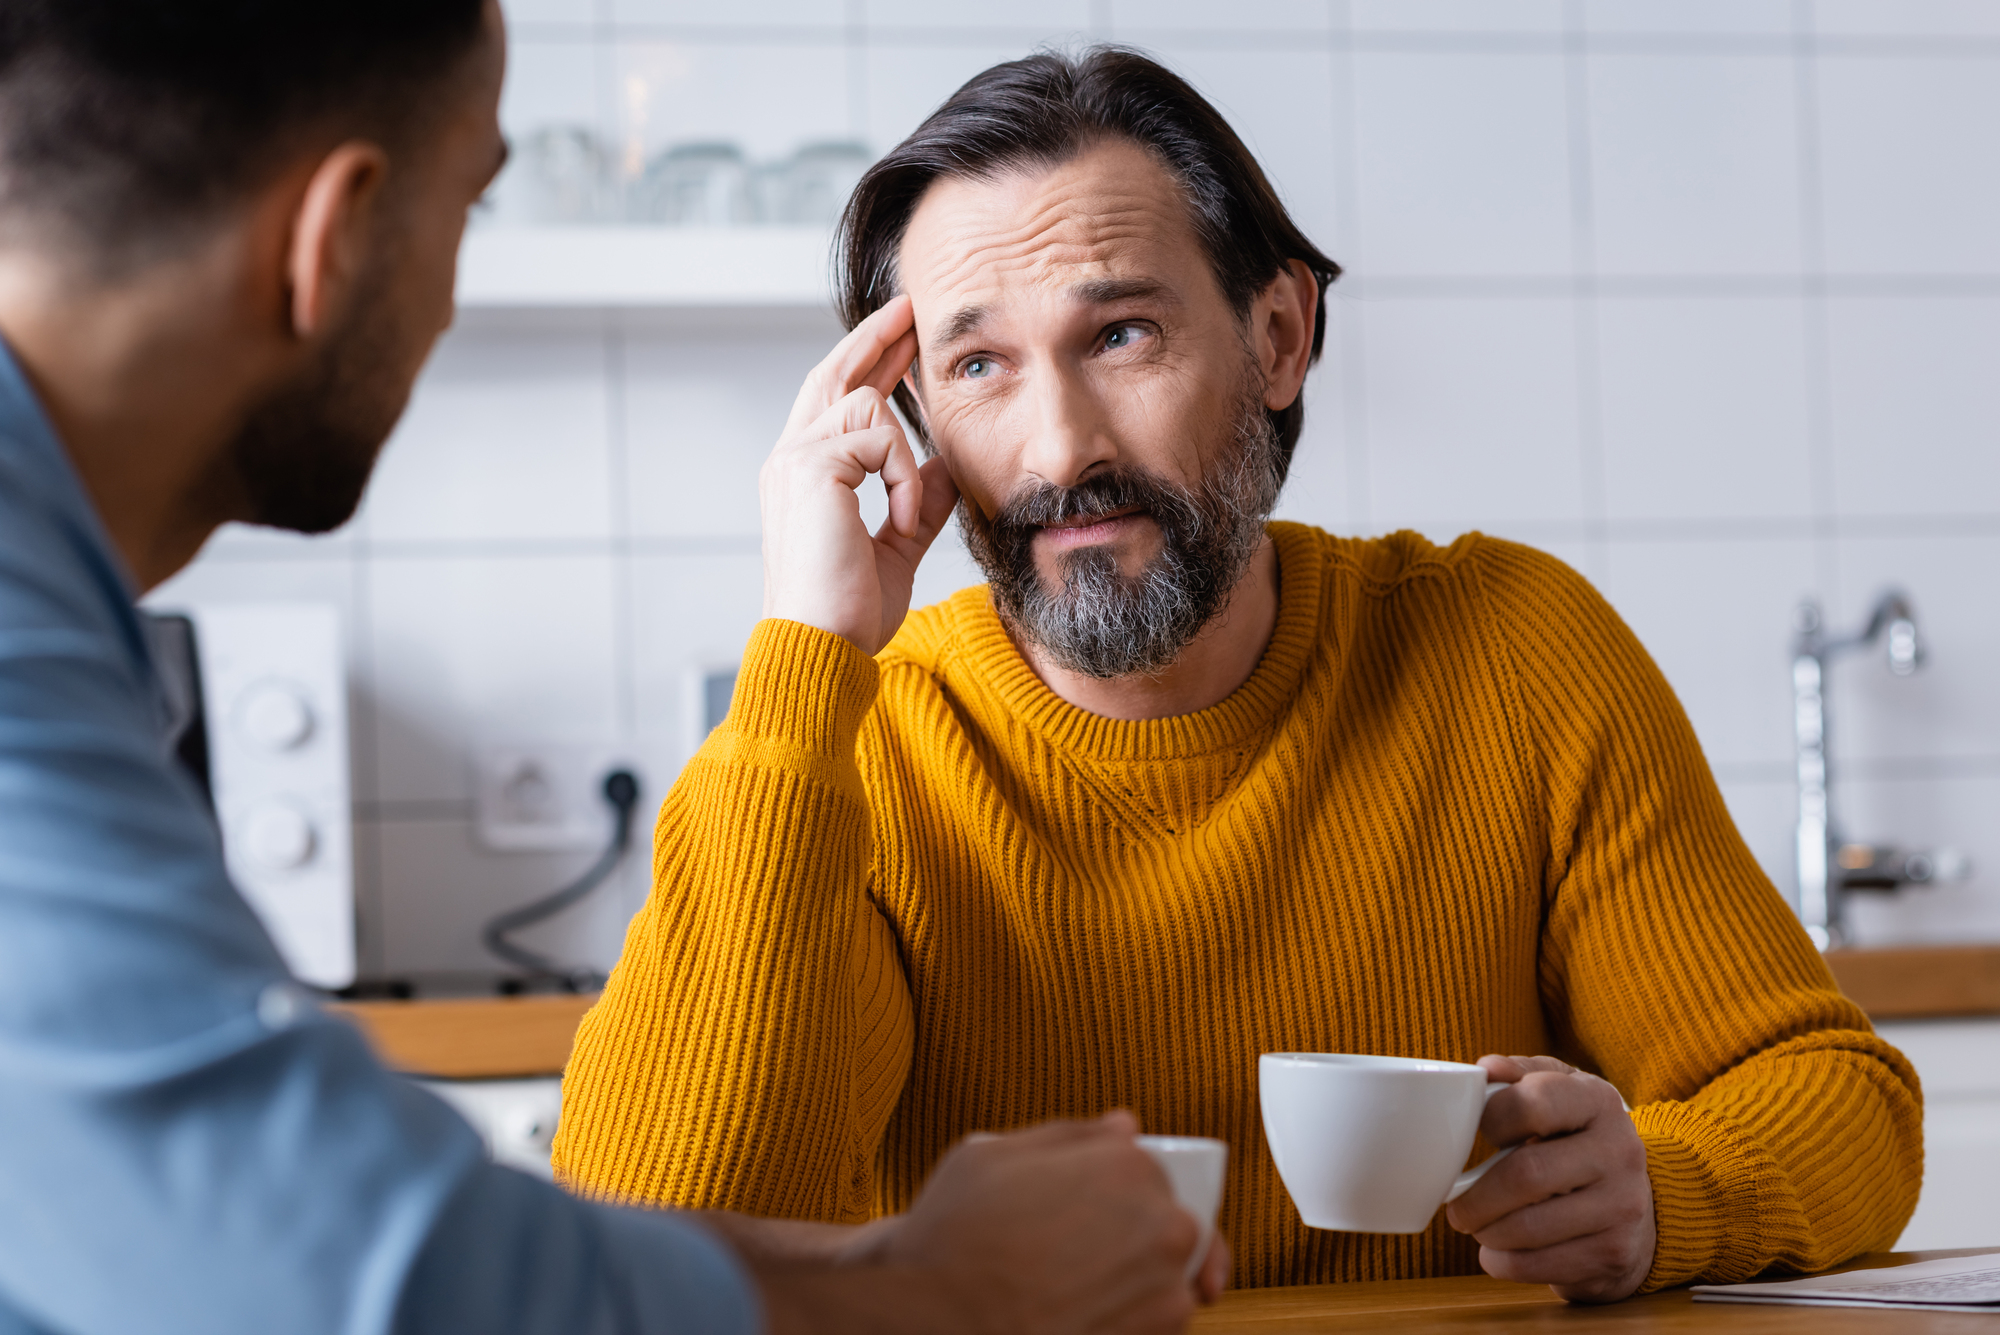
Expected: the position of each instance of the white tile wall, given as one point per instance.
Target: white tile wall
(700, 417)
(1463, 163)
(1697, 294)
(1704, 407)
(506, 439)
(1925, 18)
(1719, 195)
(1048, 20)
(1911, 166)
(767, 97)
(735, 14)
(1282, 104)
(1471, 412)
(1706, 611)
(489, 645)
(551, 80)
(1916, 404)
(1456, 16)
(903, 79)
(1704, 17)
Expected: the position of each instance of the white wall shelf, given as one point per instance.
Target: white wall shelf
(646, 268)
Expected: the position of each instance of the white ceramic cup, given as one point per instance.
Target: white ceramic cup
(1197, 1167)
(1372, 1144)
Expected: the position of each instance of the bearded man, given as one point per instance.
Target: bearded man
(1181, 786)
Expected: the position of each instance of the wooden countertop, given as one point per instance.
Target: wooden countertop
(1481, 1303)
(1921, 982)
(486, 1038)
(497, 1037)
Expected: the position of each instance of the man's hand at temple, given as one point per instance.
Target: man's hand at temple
(821, 564)
(1572, 1207)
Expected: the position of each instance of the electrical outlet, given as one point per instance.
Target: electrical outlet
(541, 796)
(709, 689)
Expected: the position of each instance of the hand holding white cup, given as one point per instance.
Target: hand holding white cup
(1370, 1144)
(1197, 1169)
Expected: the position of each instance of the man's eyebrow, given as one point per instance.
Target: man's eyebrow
(1104, 291)
(958, 324)
(1090, 292)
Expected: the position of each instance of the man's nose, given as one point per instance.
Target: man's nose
(1069, 434)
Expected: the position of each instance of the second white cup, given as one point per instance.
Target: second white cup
(1370, 1144)
(1196, 1167)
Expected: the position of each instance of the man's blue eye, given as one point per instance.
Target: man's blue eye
(977, 368)
(1118, 337)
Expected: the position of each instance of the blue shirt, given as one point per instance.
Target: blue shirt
(187, 1142)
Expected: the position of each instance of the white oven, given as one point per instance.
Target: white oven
(260, 699)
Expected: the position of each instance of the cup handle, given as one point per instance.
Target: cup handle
(1463, 1182)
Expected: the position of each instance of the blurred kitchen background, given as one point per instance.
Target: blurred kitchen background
(1702, 296)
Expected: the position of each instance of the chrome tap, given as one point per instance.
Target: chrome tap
(1830, 868)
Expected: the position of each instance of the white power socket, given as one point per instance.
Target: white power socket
(707, 692)
(543, 796)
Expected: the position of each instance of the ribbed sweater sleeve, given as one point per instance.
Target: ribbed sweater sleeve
(755, 1035)
(1671, 960)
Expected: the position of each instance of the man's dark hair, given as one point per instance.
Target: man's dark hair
(1043, 111)
(126, 122)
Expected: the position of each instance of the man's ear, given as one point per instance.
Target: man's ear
(1284, 315)
(332, 232)
(911, 383)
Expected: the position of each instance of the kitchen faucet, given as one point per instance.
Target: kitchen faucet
(1830, 868)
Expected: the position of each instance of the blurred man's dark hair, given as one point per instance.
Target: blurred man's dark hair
(126, 124)
(1041, 112)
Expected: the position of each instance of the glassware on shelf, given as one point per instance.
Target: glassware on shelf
(694, 185)
(816, 182)
(558, 175)
(566, 175)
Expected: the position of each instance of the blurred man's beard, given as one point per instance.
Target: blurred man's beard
(302, 457)
(1102, 623)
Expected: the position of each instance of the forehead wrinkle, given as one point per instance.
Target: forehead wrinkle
(976, 249)
(1056, 238)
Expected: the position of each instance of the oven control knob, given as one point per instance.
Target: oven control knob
(276, 716)
(277, 836)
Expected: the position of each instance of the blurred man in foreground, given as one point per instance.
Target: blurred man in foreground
(1180, 786)
(227, 237)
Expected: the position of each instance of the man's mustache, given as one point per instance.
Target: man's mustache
(1100, 494)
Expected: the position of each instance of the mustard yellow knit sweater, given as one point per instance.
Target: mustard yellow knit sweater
(1456, 810)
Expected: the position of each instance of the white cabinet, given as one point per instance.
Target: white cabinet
(516, 1118)
(1959, 1064)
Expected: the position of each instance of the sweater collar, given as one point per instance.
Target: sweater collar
(998, 667)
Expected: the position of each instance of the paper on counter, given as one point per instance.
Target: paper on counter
(1960, 1284)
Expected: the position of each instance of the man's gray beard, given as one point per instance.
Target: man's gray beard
(1102, 623)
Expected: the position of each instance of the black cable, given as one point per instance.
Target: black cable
(621, 790)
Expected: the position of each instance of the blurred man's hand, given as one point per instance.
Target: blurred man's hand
(1069, 1226)
(1572, 1207)
(1066, 1228)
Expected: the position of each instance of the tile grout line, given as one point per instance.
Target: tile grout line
(1583, 310)
(1965, 46)
(1815, 327)
(1687, 528)
(854, 44)
(624, 609)
(1350, 332)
